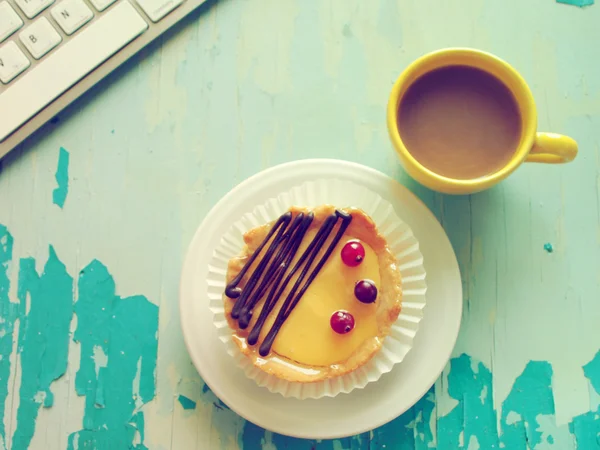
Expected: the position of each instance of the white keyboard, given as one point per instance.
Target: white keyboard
(51, 51)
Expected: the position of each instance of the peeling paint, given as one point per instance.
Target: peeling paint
(472, 423)
(125, 329)
(579, 3)
(43, 339)
(468, 383)
(59, 195)
(530, 397)
(8, 315)
(186, 403)
(586, 427)
(411, 430)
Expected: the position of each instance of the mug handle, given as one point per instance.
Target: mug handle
(552, 148)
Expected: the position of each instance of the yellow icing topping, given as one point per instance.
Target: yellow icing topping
(306, 336)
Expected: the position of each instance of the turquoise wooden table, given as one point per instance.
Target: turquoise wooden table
(97, 209)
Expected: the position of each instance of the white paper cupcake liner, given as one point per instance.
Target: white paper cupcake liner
(402, 244)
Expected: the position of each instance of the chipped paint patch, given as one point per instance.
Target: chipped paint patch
(586, 427)
(125, 329)
(470, 383)
(579, 3)
(8, 315)
(531, 396)
(186, 403)
(43, 338)
(59, 195)
(592, 372)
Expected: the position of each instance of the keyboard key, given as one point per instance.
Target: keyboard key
(32, 8)
(12, 62)
(68, 64)
(40, 37)
(71, 15)
(9, 21)
(101, 5)
(157, 9)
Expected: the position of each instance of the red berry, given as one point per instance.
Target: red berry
(365, 291)
(342, 322)
(353, 253)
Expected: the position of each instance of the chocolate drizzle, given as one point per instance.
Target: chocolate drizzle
(285, 240)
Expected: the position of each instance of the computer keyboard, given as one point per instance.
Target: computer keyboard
(51, 51)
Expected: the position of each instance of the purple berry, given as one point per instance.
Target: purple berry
(365, 291)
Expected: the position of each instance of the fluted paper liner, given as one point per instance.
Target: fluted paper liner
(402, 244)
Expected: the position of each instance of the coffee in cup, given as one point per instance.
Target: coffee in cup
(462, 120)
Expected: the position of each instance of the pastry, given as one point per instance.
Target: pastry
(312, 295)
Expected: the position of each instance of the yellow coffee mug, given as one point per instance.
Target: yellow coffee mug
(532, 147)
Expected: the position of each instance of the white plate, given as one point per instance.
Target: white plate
(402, 243)
(343, 415)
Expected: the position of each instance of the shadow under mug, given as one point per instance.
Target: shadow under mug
(533, 146)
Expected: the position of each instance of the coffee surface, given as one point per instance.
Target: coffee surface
(460, 122)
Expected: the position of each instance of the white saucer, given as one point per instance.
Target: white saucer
(345, 414)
